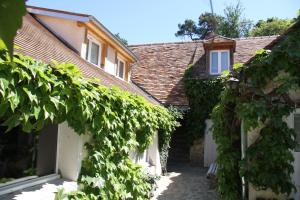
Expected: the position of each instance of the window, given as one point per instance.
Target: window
(297, 130)
(120, 69)
(93, 51)
(219, 61)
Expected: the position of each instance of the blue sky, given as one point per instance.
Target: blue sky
(151, 21)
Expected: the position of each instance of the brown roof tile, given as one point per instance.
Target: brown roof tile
(161, 66)
(36, 41)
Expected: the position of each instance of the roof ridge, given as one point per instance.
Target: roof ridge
(165, 43)
(256, 37)
(199, 41)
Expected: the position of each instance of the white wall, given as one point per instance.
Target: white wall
(149, 159)
(68, 30)
(210, 147)
(110, 66)
(70, 152)
(153, 156)
(296, 175)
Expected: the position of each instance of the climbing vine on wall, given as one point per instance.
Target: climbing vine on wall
(261, 100)
(34, 93)
(164, 140)
(226, 132)
(203, 95)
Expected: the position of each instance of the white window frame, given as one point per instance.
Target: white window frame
(93, 40)
(117, 68)
(219, 61)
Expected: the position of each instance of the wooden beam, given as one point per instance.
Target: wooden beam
(103, 54)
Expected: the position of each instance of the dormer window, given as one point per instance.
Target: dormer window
(93, 51)
(120, 71)
(219, 61)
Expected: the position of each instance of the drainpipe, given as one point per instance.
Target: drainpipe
(243, 150)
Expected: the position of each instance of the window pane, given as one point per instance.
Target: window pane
(94, 54)
(214, 63)
(297, 130)
(121, 69)
(224, 61)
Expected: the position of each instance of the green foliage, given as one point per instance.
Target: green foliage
(202, 95)
(226, 133)
(123, 40)
(234, 25)
(231, 24)
(34, 93)
(189, 29)
(271, 26)
(11, 13)
(262, 107)
(164, 139)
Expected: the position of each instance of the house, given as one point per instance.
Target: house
(52, 35)
(160, 71)
(154, 71)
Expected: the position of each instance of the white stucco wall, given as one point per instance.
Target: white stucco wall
(296, 175)
(210, 147)
(149, 159)
(70, 152)
(153, 156)
(68, 30)
(110, 65)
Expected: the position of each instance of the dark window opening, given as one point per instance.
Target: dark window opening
(27, 154)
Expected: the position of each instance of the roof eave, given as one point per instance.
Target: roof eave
(113, 37)
(84, 19)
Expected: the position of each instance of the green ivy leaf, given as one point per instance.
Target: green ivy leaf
(11, 13)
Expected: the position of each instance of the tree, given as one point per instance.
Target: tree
(271, 26)
(232, 24)
(208, 23)
(124, 41)
(189, 29)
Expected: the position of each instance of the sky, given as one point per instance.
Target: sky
(153, 21)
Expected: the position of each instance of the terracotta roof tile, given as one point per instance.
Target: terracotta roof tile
(36, 41)
(161, 66)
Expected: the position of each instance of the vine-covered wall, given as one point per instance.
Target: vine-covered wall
(261, 100)
(203, 95)
(34, 93)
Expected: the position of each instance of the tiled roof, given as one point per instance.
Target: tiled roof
(36, 41)
(161, 66)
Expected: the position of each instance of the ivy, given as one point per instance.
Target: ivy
(261, 100)
(226, 133)
(164, 140)
(203, 95)
(11, 13)
(34, 94)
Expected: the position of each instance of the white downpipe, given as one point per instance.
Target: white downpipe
(243, 150)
